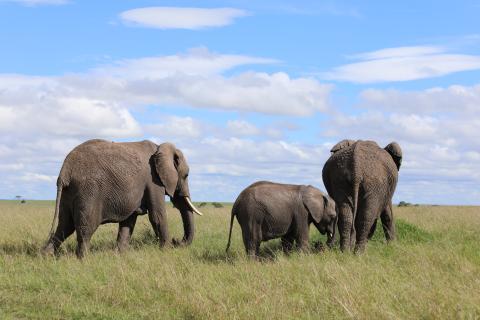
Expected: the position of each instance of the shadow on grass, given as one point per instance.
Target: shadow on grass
(21, 248)
(33, 248)
(406, 233)
(269, 252)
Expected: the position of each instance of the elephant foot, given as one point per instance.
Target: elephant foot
(48, 250)
(121, 248)
(359, 248)
(178, 243)
(318, 246)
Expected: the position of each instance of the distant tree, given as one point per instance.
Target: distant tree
(217, 205)
(404, 204)
(203, 204)
(23, 201)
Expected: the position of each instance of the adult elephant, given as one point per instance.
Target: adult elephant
(102, 181)
(361, 177)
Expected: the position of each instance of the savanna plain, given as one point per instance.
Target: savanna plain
(432, 271)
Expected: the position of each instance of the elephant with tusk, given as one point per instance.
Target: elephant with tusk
(102, 182)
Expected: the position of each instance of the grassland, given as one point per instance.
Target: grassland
(431, 272)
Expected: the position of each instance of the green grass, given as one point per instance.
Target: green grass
(432, 271)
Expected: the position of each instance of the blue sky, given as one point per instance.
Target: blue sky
(249, 91)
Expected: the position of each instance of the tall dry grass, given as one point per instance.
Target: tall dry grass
(432, 271)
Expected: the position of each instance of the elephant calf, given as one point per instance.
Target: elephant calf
(267, 210)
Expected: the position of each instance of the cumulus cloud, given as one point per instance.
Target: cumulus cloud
(242, 128)
(174, 128)
(403, 64)
(43, 118)
(456, 98)
(181, 18)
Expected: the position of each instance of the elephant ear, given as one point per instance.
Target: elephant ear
(395, 152)
(165, 165)
(314, 201)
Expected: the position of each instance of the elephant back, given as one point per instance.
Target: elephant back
(101, 160)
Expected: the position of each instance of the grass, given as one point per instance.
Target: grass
(431, 272)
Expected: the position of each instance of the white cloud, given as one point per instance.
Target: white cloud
(197, 61)
(181, 18)
(43, 118)
(451, 99)
(403, 64)
(255, 92)
(175, 128)
(398, 52)
(32, 177)
(242, 128)
(195, 79)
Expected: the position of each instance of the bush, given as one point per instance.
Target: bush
(203, 204)
(23, 201)
(217, 205)
(404, 204)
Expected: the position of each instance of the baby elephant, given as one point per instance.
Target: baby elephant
(268, 210)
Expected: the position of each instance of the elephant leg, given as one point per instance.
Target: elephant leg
(387, 222)
(287, 243)
(345, 226)
(85, 225)
(302, 237)
(251, 239)
(125, 230)
(157, 214)
(64, 229)
(372, 230)
(366, 218)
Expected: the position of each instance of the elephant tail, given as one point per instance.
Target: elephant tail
(231, 226)
(356, 187)
(57, 209)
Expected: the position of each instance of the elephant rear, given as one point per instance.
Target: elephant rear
(101, 170)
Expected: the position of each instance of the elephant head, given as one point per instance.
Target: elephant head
(172, 169)
(321, 209)
(395, 152)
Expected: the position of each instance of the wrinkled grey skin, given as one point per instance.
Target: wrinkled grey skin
(267, 210)
(102, 181)
(361, 177)
(342, 144)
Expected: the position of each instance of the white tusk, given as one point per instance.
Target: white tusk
(330, 235)
(193, 207)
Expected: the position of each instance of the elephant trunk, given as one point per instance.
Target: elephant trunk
(188, 227)
(186, 211)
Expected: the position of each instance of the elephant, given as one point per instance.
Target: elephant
(361, 177)
(103, 182)
(267, 210)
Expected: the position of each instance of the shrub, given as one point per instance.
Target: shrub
(203, 204)
(404, 204)
(217, 205)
